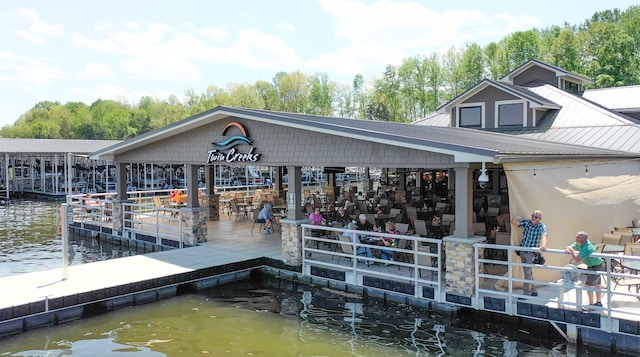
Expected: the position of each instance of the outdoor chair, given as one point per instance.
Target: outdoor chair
(403, 228)
(347, 246)
(256, 212)
(421, 227)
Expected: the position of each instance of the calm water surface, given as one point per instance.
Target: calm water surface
(30, 239)
(269, 317)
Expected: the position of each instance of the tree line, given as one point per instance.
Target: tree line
(604, 48)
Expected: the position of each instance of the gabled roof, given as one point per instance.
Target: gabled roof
(623, 99)
(14, 145)
(582, 122)
(578, 122)
(466, 145)
(535, 100)
(559, 72)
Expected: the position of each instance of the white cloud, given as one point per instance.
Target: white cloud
(386, 32)
(260, 50)
(95, 70)
(30, 36)
(166, 53)
(216, 34)
(285, 27)
(27, 72)
(37, 25)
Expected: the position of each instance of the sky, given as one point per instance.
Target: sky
(72, 50)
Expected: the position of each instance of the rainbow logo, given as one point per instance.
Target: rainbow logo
(242, 138)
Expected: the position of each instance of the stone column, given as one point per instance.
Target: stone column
(194, 225)
(292, 241)
(460, 261)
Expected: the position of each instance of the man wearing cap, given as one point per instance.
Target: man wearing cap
(364, 225)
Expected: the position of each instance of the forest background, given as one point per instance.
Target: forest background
(605, 48)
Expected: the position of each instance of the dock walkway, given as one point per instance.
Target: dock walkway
(44, 298)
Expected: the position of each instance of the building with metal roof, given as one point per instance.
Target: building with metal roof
(40, 166)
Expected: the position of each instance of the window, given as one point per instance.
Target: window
(510, 114)
(570, 86)
(470, 117)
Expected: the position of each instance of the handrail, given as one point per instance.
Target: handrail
(423, 257)
(566, 291)
(562, 293)
(161, 224)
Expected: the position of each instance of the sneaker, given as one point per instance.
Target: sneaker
(599, 304)
(534, 293)
(265, 231)
(269, 230)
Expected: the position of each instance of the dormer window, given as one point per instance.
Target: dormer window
(510, 113)
(570, 86)
(471, 115)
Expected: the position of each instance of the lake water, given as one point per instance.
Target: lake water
(263, 317)
(270, 317)
(30, 239)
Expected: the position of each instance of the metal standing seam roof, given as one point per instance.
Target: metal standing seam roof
(622, 99)
(578, 122)
(15, 145)
(427, 138)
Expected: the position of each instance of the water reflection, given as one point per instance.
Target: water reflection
(267, 317)
(30, 240)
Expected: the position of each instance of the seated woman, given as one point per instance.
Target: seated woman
(387, 254)
(266, 216)
(317, 219)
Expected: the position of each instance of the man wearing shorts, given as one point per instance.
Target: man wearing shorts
(581, 251)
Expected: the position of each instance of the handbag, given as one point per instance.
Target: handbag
(538, 259)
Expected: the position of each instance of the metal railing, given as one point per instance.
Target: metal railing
(417, 262)
(497, 272)
(159, 225)
(563, 293)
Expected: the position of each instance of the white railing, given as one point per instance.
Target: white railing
(417, 260)
(497, 276)
(619, 297)
(159, 225)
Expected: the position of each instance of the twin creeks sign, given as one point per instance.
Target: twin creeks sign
(227, 151)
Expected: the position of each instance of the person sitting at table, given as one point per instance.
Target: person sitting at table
(266, 216)
(179, 198)
(353, 236)
(90, 203)
(342, 216)
(364, 225)
(316, 218)
(387, 254)
(581, 251)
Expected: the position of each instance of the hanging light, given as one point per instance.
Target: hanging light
(483, 179)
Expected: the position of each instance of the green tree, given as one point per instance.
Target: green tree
(521, 47)
(321, 95)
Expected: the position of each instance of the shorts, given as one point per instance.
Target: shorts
(261, 220)
(593, 279)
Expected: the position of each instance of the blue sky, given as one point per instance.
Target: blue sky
(70, 50)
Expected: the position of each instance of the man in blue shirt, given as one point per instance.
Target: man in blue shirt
(266, 216)
(581, 251)
(534, 235)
